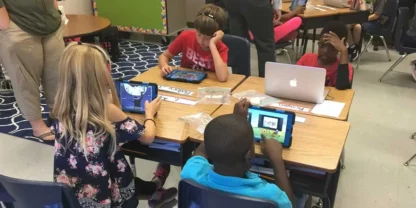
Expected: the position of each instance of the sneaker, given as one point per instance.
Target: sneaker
(161, 174)
(355, 54)
(375, 48)
(162, 197)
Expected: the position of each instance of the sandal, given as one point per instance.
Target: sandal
(42, 136)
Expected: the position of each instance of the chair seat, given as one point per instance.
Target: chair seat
(283, 44)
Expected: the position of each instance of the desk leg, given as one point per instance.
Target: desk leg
(313, 40)
(329, 202)
(304, 42)
(187, 149)
(297, 46)
(133, 164)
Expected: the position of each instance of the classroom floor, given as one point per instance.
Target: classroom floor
(383, 116)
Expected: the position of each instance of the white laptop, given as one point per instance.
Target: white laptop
(295, 82)
(337, 3)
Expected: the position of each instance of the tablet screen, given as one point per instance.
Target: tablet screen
(186, 75)
(273, 125)
(134, 95)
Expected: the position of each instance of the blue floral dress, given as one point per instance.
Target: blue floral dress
(98, 180)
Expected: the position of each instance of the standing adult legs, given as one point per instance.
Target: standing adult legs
(238, 25)
(259, 17)
(22, 57)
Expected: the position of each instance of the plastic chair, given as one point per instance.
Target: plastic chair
(390, 10)
(282, 46)
(238, 54)
(192, 194)
(27, 193)
(401, 28)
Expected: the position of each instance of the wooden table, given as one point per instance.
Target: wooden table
(316, 144)
(83, 25)
(169, 127)
(343, 96)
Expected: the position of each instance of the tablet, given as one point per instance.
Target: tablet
(274, 124)
(186, 76)
(296, 3)
(133, 95)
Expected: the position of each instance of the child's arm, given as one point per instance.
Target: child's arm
(174, 49)
(373, 17)
(115, 114)
(273, 150)
(343, 81)
(291, 14)
(377, 10)
(200, 151)
(4, 16)
(221, 69)
(164, 59)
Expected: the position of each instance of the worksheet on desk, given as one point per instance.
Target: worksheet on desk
(329, 108)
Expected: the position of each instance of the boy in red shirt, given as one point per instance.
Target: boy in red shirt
(202, 49)
(339, 71)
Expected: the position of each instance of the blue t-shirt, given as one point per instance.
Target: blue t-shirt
(199, 170)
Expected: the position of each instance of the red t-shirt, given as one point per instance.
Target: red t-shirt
(193, 56)
(311, 59)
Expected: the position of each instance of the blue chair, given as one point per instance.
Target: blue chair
(401, 28)
(238, 54)
(27, 193)
(390, 10)
(194, 195)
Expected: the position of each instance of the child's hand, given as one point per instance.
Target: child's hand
(276, 22)
(277, 14)
(165, 70)
(299, 10)
(241, 108)
(334, 40)
(271, 148)
(216, 37)
(153, 107)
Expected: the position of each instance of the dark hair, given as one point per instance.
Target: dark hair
(228, 138)
(210, 19)
(336, 27)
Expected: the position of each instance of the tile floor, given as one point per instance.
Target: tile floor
(383, 115)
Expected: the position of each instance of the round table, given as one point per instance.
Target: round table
(83, 25)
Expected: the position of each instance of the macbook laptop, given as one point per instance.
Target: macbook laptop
(295, 82)
(337, 3)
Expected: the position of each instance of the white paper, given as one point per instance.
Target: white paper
(300, 119)
(291, 107)
(178, 100)
(329, 108)
(175, 90)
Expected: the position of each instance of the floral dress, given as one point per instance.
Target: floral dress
(98, 180)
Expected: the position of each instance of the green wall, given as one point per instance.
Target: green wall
(145, 14)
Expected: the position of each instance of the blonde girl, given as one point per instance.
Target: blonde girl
(88, 128)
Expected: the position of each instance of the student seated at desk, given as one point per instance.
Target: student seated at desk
(375, 23)
(229, 144)
(202, 49)
(89, 127)
(285, 28)
(339, 71)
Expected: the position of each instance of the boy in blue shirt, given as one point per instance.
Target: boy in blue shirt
(229, 144)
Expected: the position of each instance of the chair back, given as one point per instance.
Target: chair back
(401, 29)
(27, 193)
(238, 54)
(194, 195)
(390, 10)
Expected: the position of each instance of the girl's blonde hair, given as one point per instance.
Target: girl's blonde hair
(84, 93)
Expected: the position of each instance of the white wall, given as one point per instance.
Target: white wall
(77, 6)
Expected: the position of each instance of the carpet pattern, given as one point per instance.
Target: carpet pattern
(135, 58)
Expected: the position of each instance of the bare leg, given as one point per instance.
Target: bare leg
(350, 35)
(356, 33)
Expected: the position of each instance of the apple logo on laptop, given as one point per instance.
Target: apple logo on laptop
(293, 82)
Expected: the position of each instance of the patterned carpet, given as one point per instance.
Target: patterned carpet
(135, 58)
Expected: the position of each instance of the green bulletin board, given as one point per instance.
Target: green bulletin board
(143, 16)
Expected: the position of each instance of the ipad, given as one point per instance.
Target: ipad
(274, 124)
(186, 76)
(296, 3)
(133, 95)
